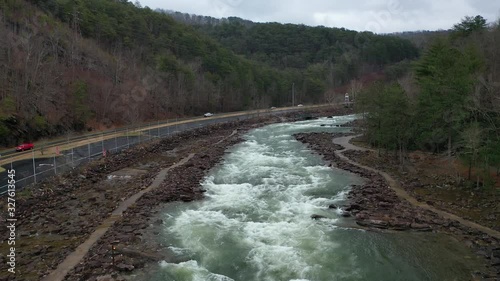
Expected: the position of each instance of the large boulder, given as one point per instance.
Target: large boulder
(317, 217)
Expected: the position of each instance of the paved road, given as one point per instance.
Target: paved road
(69, 159)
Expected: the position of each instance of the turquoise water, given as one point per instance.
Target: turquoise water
(255, 223)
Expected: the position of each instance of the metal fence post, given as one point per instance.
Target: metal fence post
(128, 142)
(55, 166)
(149, 132)
(140, 134)
(102, 142)
(158, 128)
(34, 168)
(116, 142)
(72, 155)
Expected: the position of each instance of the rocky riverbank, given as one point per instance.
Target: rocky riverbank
(376, 205)
(135, 235)
(130, 234)
(57, 215)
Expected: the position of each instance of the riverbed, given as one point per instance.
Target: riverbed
(255, 222)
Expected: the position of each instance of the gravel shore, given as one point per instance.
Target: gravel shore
(375, 205)
(57, 215)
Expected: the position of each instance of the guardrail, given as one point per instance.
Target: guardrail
(35, 165)
(8, 152)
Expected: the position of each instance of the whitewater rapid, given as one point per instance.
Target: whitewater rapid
(255, 223)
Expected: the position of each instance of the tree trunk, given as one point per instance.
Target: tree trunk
(449, 145)
(378, 140)
(470, 168)
(401, 157)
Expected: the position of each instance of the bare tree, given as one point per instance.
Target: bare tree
(330, 96)
(5, 50)
(35, 55)
(355, 87)
(408, 84)
(472, 144)
(102, 101)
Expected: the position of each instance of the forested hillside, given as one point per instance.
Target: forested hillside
(71, 65)
(77, 65)
(448, 103)
(299, 46)
(422, 38)
(339, 54)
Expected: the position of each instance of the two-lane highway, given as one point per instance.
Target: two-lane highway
(32, 166)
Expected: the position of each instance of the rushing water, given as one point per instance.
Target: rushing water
(255, 223)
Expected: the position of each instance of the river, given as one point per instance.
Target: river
(255, 223)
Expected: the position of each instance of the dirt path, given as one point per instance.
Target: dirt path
(77, 256)
(344, 141)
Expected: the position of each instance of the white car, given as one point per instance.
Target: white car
(300, 105)
(208, 114)
(273, 107)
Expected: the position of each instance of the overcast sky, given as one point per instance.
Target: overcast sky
(380, 16)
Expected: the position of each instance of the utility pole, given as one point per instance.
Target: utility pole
(293, 94)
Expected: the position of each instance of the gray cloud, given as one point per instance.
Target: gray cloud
(379, 16)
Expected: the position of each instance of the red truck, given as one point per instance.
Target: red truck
(25, 146)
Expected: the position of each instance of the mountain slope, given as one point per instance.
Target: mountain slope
(72, 65)
(297, 46)
(328, 58)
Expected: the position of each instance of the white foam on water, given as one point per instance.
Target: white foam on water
(260, 202)
(178, 251)
(191, 270)
(342, 195)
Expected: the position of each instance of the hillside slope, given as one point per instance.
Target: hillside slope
(298, 46)
(63, 71)
(328, 59)
(81, 65)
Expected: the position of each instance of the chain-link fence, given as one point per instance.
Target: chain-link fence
(71, 153)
